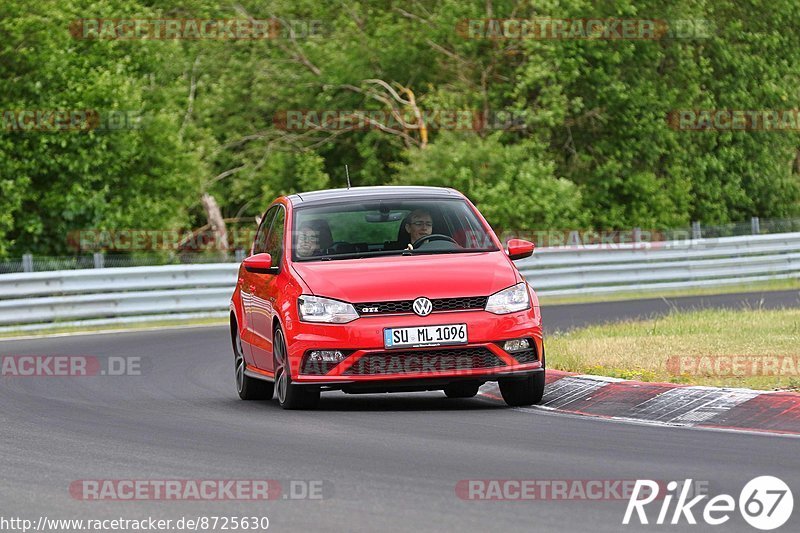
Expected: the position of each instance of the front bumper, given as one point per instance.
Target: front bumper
(481, 359)
(417, 384)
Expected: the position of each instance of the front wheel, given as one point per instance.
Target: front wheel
(247, 387)
(526, 391)
(290, 396)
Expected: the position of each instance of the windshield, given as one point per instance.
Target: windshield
(387, 227)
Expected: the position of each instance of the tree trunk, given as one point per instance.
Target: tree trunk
(216, 221)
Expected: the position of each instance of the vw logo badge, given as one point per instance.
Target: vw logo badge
(422, 306)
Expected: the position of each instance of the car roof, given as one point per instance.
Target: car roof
(397, 192)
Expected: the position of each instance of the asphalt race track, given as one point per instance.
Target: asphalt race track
(388, 462)
(563, 317)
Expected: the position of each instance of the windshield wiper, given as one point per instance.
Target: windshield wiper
(379, 253)
(356, 255)
(462, 251)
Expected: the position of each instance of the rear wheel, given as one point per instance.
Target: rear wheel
(526, 391)
(290, 396)
(247, 387)
(461, 390)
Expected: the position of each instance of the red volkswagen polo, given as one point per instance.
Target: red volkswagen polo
(383, 289)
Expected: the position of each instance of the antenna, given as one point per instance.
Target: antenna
(347, 171)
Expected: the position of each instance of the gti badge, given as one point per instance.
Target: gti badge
(422, 306)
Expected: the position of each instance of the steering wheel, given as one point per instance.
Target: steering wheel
(434, 237)
(338, 247)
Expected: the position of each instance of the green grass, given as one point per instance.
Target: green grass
(640, 350)
(773, 285)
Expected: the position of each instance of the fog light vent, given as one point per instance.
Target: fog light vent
(326, 356)
(516, 345)
(319, 362)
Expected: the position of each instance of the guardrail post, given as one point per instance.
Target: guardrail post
(755, 226)
(637, 235)
(239, 255)
(99, 260)
(27, 263)
(697, 231)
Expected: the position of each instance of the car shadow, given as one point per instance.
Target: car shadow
(400, 402)
(404, 402)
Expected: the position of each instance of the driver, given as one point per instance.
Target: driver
(307, 240)
(420, 224)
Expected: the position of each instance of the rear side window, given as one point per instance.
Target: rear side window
(274, 245)
(260, 242)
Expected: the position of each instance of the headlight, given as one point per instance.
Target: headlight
(316, 309)
(509, 300)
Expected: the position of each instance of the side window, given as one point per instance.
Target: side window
(260, 242)
(275, 238)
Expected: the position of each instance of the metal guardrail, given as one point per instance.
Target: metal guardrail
(662, 265)
(156, 247)
(118, 295)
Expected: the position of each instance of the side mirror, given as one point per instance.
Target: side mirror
(259, 264)
(519, 249)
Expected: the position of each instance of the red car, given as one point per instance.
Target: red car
(383, 289)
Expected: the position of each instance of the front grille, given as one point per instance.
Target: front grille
(383, 308)
(453, 304)
(442, 360)
(525, 356)
(404, 306)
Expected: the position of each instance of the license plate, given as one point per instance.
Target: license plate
(425, 336)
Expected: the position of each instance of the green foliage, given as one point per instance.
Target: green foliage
(596, 149)
(613, 139)
(55, 182)
(510, 184)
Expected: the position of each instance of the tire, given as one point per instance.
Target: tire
(290, 396)
(247, 387)
(526, 391)
(461, 390)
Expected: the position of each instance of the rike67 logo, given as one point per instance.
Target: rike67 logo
(765, 503)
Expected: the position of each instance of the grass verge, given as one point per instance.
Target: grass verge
(773, 285)
(755, 348)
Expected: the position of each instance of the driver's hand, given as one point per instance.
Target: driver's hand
(410, 246)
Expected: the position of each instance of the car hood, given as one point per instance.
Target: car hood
(377, 279)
